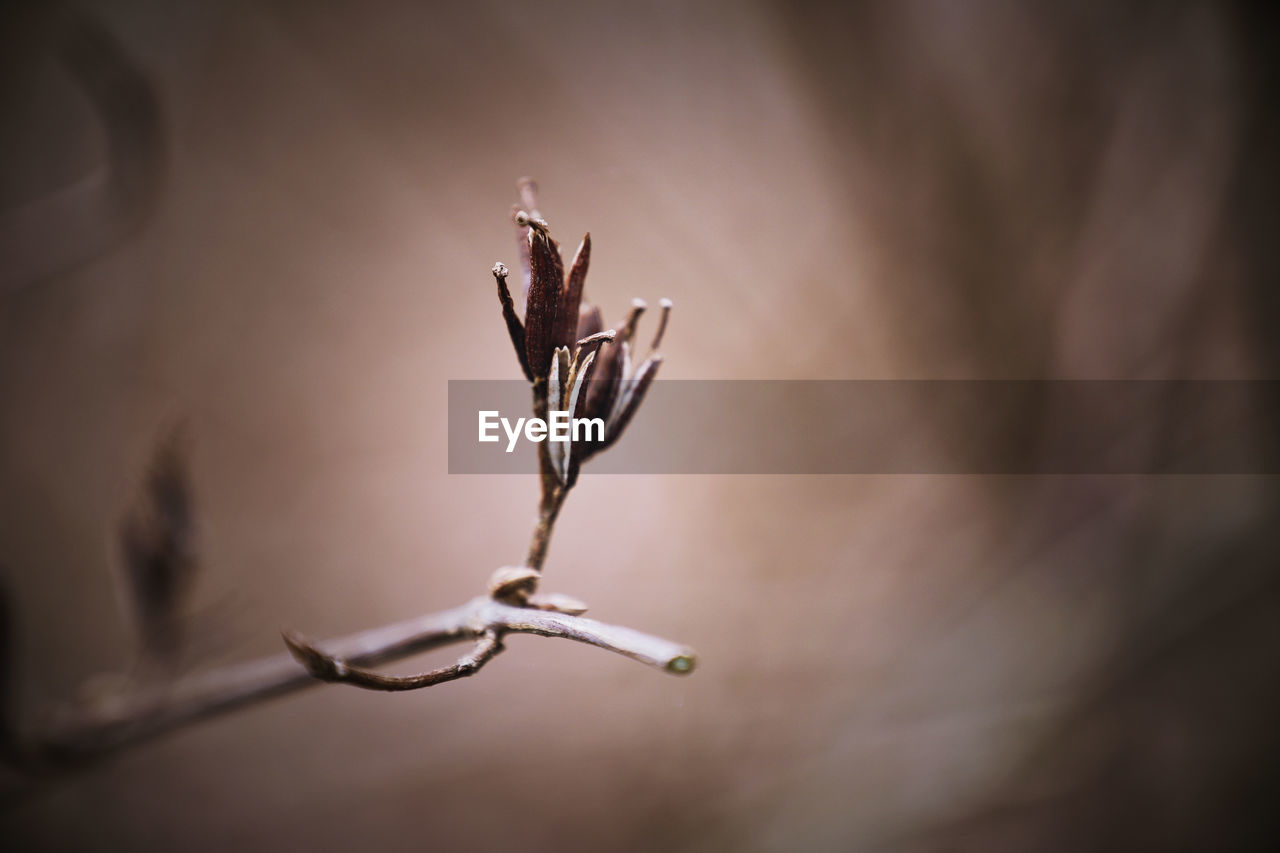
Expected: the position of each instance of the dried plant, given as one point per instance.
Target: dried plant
(561, 348)
(572, 365)
(159, 551)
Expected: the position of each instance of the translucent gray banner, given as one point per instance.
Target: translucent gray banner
(901, 427)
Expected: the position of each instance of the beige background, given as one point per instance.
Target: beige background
(908, 190)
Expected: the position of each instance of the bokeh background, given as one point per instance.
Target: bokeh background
(274, 221)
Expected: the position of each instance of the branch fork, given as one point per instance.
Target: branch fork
(485, 621)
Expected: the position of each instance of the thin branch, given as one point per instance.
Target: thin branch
(327, 668)
(98, 731)
(553, 490)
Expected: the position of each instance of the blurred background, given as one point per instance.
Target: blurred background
(275, 221)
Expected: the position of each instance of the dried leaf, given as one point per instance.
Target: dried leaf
(590, 321)
(566, 334)
(637, 388)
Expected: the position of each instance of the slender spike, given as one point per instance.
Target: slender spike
(628, 329)
(666, 306)
(521, 221)
(514, 327)
(528, 189)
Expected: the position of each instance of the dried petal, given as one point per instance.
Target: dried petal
(514, 327)
(633, 396)
(568, 323)
(555, 385)
(581, 370)
(590, 321)
(568, 467)
(546, 280)
(558, 384)
(602, 387)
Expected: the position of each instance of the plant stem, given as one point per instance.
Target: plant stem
(553, 491)
(95, 732)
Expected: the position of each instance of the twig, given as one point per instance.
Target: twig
(553, 491)
(327, 668)
(99, 731)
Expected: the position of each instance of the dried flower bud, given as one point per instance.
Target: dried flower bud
(513, 584)
(587, 372)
